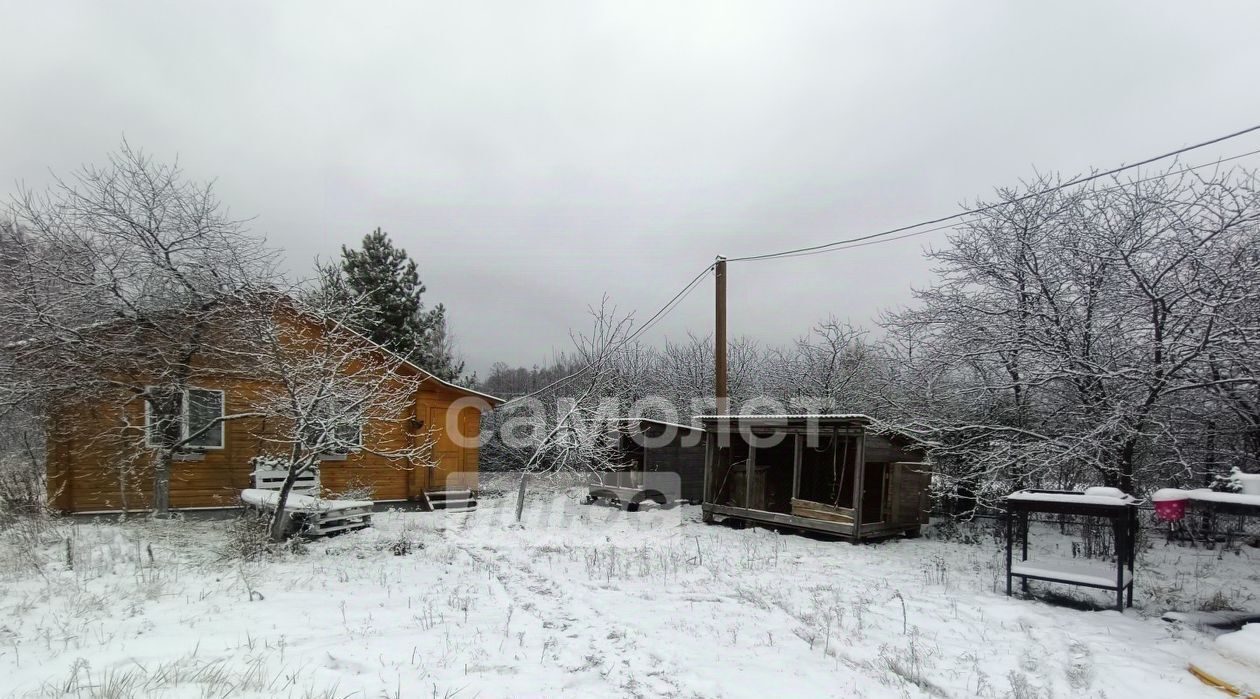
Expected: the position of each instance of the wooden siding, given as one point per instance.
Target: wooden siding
(896, 490)
(882, 449)
(909, 501)
(686, 461)
(97, 460)
(455, 460)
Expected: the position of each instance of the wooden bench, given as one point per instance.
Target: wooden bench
(305, 512)
(273, 479)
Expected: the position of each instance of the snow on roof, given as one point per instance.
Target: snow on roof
(1100, 496)
(1205, 495)
(1169, 495)
(457, 387)
(493, 399)
(417, 367)
(661, 422)
(18, 344)
(807, 416)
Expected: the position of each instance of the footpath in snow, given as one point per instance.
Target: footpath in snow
(580, 601)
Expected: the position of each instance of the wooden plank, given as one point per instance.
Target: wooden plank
(710, 449)
(329, 523)
(818, 510)
(859, 470)
(337, 520)
(749, 475)
(806, 523)
(898, 484)
(347, 512)
(324, 530)
(797, 455)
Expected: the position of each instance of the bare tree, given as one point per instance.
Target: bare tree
(322, 387)
(1072, 331)
(828, 369)
(122, 276)
(573, 434)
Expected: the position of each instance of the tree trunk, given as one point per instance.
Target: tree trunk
(167, 408)
(1128, 456)
(162, 482)
(279, 524)
(520, 496)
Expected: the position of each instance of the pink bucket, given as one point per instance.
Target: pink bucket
(1170, 504)
(1171, 511)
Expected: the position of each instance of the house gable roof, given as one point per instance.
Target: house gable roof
(428, 375)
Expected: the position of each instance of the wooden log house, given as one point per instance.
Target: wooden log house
(96, 466)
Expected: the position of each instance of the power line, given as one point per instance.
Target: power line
(656, 317)
(682, 296)
(864, 241)
(983, 209)
(907, 232)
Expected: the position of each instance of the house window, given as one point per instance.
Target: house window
(348, 438)
(200, 411)
(335, 430)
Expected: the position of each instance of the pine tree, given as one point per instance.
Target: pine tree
(437, 352)
(388, 279)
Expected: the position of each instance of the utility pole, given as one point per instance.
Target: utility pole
(719, 340)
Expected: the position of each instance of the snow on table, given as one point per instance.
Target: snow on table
(1078, 498)
(1208, 495)
(299, 502)
(1169, 495)
(1079, 572)
(1242, 645)
(1205, 495)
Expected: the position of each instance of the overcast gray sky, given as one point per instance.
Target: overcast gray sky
(534, 156)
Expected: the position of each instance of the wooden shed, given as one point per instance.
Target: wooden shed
(662, 462)
(824, 473)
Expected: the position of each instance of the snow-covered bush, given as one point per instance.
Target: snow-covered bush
(21, 489)
(355, 489)
(249, 539)
(404, 542)
(1228, 483)
(23, 485)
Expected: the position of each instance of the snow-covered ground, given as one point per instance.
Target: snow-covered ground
(580, 601)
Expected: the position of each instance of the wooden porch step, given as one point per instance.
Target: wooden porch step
(449, 493)
(452, 499)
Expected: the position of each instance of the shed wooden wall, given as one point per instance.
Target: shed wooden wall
(878, 448)
(97, 459)
(908, 500)
(686, 461)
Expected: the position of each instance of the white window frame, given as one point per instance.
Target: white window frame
(355, 446)
(183, 419)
